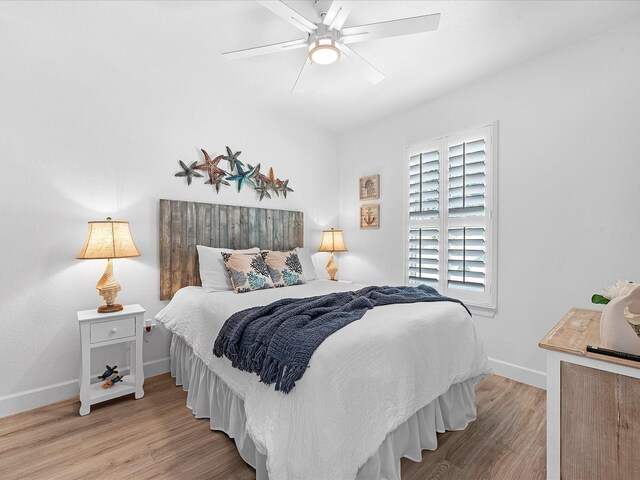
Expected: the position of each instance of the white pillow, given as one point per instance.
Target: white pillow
(308, 270)
(213, 272)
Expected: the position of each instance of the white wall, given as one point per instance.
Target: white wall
(569, 186)
(86, 134)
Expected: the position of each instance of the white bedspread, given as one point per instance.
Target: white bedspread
(363, 381)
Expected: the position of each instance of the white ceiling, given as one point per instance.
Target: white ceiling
(182, 39)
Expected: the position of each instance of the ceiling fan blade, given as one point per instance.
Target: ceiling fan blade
(367, 70)
(337, 15)
(303, 70)
(392, 28)
(288, 14)
(266, 49)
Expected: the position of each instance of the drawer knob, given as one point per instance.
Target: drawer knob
(114, 330)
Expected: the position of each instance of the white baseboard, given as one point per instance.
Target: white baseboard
(38, 397)
(41, 396)
(526, 375)
(157, 367)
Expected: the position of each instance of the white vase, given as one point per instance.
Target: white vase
(616, 329)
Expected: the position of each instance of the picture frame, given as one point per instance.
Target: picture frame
(370, 216)
(369, 187)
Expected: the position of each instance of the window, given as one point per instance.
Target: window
(451, 216)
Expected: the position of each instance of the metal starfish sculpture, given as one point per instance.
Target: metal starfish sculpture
(256, 171)
(216, 174)
(263, 188)
(261, 181)
(241, 176)
(284, 187)
(217, 182)
(273, 182)
(188, 172)
(232, 158)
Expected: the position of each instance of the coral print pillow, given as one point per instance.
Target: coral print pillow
(284, 267)
(247, 272)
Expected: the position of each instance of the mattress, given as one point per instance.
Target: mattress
(363, 382)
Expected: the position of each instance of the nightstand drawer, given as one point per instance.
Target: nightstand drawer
(103, 331)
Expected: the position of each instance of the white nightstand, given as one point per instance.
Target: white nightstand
(102, 329)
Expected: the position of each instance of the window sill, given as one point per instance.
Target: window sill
(482, 310)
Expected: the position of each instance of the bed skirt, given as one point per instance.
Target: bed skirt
(210, 397)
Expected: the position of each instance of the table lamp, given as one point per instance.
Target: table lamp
(108, 239)
(332, 241)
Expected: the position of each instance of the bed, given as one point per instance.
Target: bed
(375, 391)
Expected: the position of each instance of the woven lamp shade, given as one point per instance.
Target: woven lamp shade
(332, 241)
(109, 239)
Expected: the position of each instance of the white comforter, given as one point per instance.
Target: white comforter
(363, 381)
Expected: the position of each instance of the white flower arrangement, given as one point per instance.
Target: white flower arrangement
(620, 289)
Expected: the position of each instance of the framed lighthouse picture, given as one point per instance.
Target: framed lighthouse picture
(370, 216)
(370, 187)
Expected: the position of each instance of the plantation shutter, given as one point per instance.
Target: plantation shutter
(424, 185)
(424, 255)
(467, 179)
(466, 265)
(424, 210)
(450, 216)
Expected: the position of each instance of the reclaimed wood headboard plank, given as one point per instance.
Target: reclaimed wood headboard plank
(268, 234)
(183, 225)
(165, 257)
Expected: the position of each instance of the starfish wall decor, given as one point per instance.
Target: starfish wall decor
(216, 174)
(232, 158)
(241, 176)
(218, 177)
(188, 172)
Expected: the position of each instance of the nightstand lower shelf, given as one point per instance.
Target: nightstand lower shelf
(98, 394)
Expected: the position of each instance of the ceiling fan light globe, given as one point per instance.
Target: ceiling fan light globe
(324, 51)
(325, 55)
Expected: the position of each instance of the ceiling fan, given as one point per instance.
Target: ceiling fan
(327, 41)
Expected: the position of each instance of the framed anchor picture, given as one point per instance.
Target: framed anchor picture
(370, 216)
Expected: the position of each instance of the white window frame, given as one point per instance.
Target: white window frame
(482, 303)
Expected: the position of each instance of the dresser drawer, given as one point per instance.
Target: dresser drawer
(112, 330)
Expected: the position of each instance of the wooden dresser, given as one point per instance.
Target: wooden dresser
(593, 405)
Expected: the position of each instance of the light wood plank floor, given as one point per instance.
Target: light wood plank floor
(158, 437)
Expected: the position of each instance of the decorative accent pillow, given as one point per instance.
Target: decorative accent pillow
(308, 270)
(213, 272)
(284, 267)
(247, 272)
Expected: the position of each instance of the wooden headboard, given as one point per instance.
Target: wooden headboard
(183, 225)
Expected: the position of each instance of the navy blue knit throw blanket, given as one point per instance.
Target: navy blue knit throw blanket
(276, 341)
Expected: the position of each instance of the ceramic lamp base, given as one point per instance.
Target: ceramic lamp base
(331, 268)
(108, 288)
